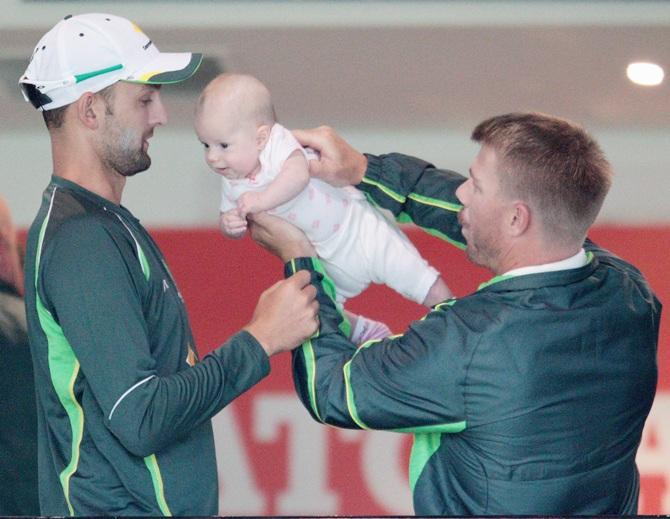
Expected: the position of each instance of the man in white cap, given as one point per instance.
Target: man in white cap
(124, 404)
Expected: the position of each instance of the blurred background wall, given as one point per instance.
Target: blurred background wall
(407, 76)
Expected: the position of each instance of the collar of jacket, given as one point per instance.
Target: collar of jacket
(541, 279)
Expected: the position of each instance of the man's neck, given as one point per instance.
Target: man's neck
(86, 170)
(100, 185)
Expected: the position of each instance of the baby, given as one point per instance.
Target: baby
(264, 168)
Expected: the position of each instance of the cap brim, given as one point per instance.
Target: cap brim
(168, 67)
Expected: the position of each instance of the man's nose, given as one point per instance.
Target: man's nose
(159, 114)
(460, 192)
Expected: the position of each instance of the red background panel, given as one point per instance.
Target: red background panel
(221, 279)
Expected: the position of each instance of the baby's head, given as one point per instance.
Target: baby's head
(233, 119)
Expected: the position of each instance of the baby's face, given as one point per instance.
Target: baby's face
(231, 147)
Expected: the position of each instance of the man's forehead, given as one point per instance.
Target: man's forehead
(139, 88)
(485, 160)
(150, 88)
(487, 155)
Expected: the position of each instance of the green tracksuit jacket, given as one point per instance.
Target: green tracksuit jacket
(124, 406)
(527, 397)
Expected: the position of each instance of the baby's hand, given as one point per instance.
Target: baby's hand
(232, 224)
(249, 202)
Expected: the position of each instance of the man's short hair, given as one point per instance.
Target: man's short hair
(553, 165)
(55, 117)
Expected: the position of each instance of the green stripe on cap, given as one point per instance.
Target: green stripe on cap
(88, 75)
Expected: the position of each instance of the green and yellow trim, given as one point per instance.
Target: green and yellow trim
(405, 218)
(445, 304)
(307, 349)
(453, 427)
(310, 363)
(493, 281)
(503, 277)
(157, 480)
(63, 370)
(423, 448)
(421, 199)
(158, 77)
(427, 441)
(386, 190)
(434, 202)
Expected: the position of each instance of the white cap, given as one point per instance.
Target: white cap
(89, 52)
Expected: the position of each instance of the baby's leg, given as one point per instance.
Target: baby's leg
(392, 259)
(438, 292)
(364, 329)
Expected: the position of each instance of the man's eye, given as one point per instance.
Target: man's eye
(145, 101)
(224, 145)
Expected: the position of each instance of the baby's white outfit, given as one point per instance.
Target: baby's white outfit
(357, 245)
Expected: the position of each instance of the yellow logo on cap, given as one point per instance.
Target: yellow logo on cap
(136, 27)
(148, 75)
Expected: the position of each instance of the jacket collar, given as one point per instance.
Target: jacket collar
(573, 262)
(541, 278)
(97, 199)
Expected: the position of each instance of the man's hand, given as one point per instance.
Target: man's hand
(340, 164)
(286, 314)
(232, 224)
(281, 238)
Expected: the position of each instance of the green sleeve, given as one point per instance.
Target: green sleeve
(412, 382)
(416, 192)
(94, 295)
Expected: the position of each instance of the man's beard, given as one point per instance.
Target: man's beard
(481, 248)
(121, 155)
(484, 251)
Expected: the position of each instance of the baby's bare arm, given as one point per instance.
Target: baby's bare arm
(290, 182)
(438, 293)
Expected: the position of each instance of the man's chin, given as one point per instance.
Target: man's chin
(138, 166)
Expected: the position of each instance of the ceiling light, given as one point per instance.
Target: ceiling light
(646, 74)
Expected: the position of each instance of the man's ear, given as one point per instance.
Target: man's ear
(519, 219)
(89, 110)
(262, 136)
